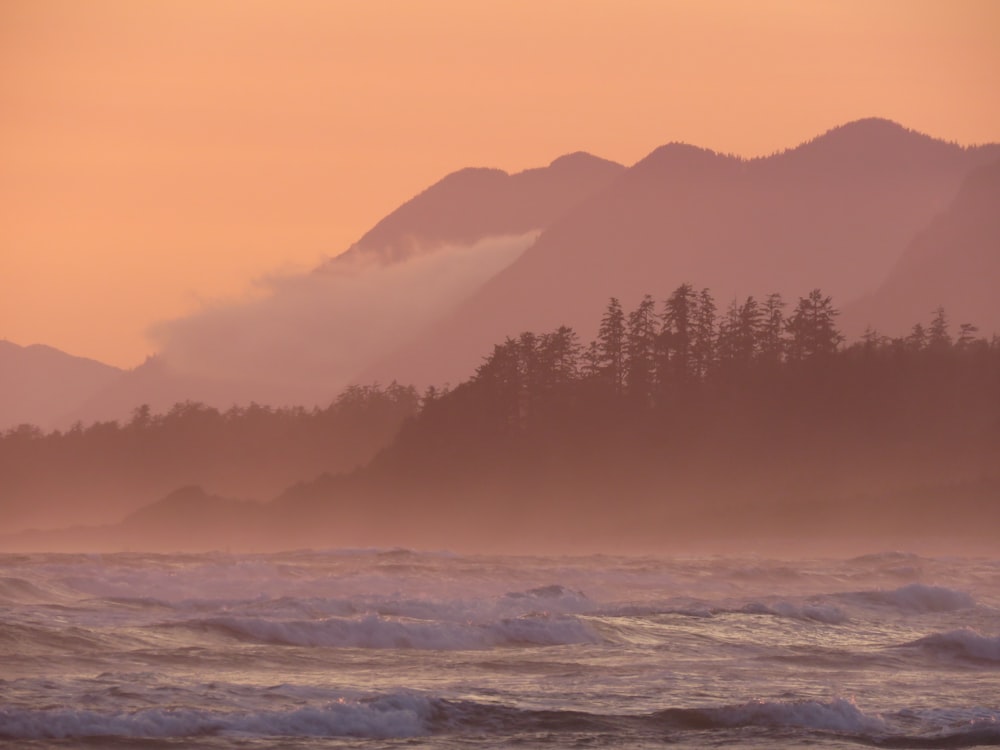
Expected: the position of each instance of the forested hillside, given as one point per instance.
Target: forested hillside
(98, 473)
(677, 423)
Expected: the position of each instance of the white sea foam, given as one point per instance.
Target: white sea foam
(400, 715)
(377, 632)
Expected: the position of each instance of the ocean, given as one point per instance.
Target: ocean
(400, 649)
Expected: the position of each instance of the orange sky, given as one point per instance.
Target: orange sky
(160, 154)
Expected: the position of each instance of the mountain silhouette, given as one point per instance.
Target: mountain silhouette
(474, 203)
(439, 245)
(39, 384)
(836, 212)
(156, 384)
(953, 263)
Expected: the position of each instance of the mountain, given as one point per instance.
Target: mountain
(39, 384)
(482, 254)
(474, 203)
(158, 385)
(316, 332)
(836, 213)
(953, 263)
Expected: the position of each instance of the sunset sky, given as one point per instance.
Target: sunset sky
(160, 155)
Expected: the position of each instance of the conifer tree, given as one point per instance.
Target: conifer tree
(641, 351)
(937, 335)
(704, 338)
(811, 328)
(674, 343)
(771, 344)
(606, 355)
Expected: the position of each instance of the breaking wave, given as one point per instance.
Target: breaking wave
(915, 597)
(840, 715)
(18, 590)
(963, 643)
(826, 613)
(413, 715)
(400, 715)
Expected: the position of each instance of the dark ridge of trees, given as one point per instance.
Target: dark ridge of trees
(96, 473)
(659, 366)
(676, 416)
(675, 411)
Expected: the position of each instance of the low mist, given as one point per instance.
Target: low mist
(312, 334)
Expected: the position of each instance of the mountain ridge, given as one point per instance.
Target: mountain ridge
(39, 383)
(804, 218)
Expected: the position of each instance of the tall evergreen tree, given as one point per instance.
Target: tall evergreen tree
(771, 345)
(738, 334)
(606, 355)
(641, 351)
(811, 328)
(674, 343)
(937, 335)
(917, 339)
(703, 341)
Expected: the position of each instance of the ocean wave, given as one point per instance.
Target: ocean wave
(401, 715)
(33, 638)
(377, 632)
(915, 597)
(977, 736)
(18, 591)
(411, 714)
(840, 715)
(825, 613)
(964, 643)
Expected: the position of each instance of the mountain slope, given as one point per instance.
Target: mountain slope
(474, 203)
(834, 213)
(313, 333)
(38, 384)
(954, 263)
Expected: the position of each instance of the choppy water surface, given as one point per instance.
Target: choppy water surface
(400, 649)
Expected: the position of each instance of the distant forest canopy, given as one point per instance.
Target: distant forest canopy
(636, 355)
(250, 451)
(681, 372)
(764, 401)
(678, 423)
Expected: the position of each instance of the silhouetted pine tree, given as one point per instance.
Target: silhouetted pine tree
(643, 327)
(606, 355)
(938, 337)
(811, 328)
(674, 368)
(703, 344)
(771, 342)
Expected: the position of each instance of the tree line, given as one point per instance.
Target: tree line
(656, 357)
(671, 393)
(245, 451)
(672, 386)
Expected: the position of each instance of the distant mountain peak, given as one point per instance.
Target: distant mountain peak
(876, 137)
(581, 159)
(872, 125)
(682, 159)
(469, 175)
